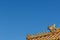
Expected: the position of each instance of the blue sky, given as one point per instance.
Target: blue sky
(21, 17)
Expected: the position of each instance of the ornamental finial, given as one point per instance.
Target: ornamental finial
(53, 27)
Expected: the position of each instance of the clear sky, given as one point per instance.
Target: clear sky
(21, 17)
